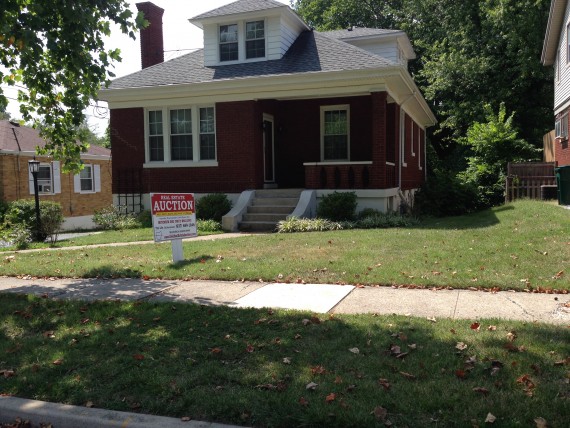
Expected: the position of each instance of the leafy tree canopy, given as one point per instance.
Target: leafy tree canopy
(470, 53)
(55, 49)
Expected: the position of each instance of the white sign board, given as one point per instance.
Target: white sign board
(173, 216)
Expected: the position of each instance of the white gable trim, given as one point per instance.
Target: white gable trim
(554, 29)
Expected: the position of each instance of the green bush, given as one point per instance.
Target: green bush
(338, 206)
(3, 209)
(208, 225)
(23, 213)
(295, 224)
(385, 220)
(367, 212)
(111, 218)
(144, 218)
(20, 236)
(213, 207)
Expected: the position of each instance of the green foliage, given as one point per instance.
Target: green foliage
(382, 220)
(57, 52)
(111, 218)
(213, 207)
(20, 236)
(208, 226)
(443, 195)
(294, 224)
(494, 143)
(22, 214)
(144, 218)
(469, 53)
(3, 208)
(338, 206)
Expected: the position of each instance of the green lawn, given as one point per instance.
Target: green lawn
(520, 246)
(253, 367)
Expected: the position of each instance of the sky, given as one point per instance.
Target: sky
(180, 36)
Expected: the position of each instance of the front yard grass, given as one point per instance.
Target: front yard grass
(520, 246)
(283, 368)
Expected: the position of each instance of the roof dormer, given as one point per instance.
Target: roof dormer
(248, 31)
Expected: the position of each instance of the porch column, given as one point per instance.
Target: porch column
(378, 170)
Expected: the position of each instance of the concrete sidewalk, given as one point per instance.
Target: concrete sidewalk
(318, 298)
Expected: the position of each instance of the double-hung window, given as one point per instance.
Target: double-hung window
(181, 134)
(187, 140)
(229, 42)
(335, 125)
(561, 127)
(88, 180)
(254, 39)
(45, 179)
(49, 181)
(155, 136)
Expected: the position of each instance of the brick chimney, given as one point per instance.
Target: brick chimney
(152, 45)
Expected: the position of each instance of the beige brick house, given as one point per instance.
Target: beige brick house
(80, 195)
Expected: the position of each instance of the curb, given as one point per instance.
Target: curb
(66, 416)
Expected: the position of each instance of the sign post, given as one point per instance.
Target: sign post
(173, 219)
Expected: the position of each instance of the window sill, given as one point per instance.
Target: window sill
(331, 163)
(181, 164)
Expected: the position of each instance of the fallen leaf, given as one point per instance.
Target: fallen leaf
(540, 422)
(303, 402)
(475, 326)
(511, 336)
(338, 380)
(395, 349)
(354, 350)
(490, 419)
(185, 419)
(58, 362)
(350, 388)
(306, 321)
(146, 277)
(432, 319)
(407, 375)
(286, 360)
(89, 404)
(138, 357)
(492, 328)
(379, 413)
(481, 390)
(311, 386)
(461, 346)
(49, 334)
(460, 374)
(559, 275)
(330, 397)
(216, 350)
(318, 370)
(384, 383)
(249, 348)
(7, 373)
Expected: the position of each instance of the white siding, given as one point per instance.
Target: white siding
(387, 50)
(273, 35)
(210, 45)
(289, 33)
(562, 88)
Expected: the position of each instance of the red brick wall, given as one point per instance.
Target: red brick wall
(562, 148)
(412, 175)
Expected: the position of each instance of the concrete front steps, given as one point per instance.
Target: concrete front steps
(268, 207)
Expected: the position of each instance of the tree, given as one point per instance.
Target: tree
(4, 115)
(470, 53)
(55, 49)
(494, 144)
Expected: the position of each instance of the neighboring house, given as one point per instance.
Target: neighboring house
(269, 103)
(80, 195)
(556, 52)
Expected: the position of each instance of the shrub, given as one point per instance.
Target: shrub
(385, 220)
(295, 224)
(338, 206)
(208, 225)
(144, 218)
(444, 195)
(20, 236)
(368, 212)
(213, 207)
(3, 209)
(23, 213)
(111, 218)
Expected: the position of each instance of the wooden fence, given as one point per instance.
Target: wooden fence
(525, 180)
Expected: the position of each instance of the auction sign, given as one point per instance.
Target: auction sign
(173, 216)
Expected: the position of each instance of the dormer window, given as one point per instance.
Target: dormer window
(254, 39)
(229, 42)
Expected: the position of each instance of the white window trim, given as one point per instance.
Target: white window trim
(412, 136)
(95, 179)
(241, 41)
(567, 43)
(55, 179)
(246, 40)
(420, 145)
(168, 163)
(403, 137)
(332, 108)
(561, 127)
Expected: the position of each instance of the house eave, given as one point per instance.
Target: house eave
(393, 79)
(553, 31)
(32, 153)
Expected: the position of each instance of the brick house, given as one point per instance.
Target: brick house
(556, 53)
(80, 195)
(269, 103)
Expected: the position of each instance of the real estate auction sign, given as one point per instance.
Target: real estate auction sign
(173, 216)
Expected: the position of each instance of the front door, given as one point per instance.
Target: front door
(268, 150)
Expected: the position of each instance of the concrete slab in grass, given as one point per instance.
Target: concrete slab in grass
(318, 298)
(208, 292)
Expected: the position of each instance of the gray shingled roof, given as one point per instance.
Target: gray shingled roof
(359, 32)
(312, 52)
(240, 6)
